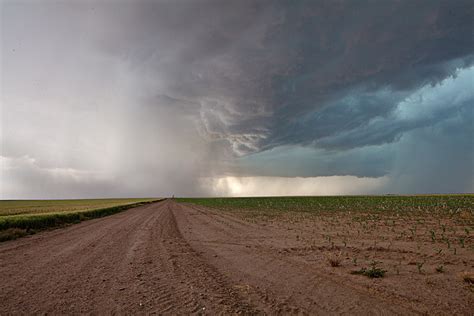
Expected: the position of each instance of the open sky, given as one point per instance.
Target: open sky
(193, 97)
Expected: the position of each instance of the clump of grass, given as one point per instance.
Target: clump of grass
(334, 262)
(468, 277)
(440, 269)
(373, 272)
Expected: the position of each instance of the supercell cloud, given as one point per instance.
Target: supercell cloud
(140, 98)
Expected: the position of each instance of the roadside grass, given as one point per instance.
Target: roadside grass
(66, 212)
(17, 207)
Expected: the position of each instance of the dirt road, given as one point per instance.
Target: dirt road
(171, 258)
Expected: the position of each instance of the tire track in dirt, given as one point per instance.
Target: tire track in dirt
(132, 262)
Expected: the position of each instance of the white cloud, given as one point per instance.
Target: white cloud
(274, 186)
(23, 177)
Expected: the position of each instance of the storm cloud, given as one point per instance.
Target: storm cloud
(104, 98)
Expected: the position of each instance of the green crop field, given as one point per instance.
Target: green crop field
(435, 230)
(23, 217)
(388, 204)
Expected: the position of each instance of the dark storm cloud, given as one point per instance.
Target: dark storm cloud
(267, 74)
(354, 49)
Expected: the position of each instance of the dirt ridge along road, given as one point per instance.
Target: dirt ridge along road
(172, 258)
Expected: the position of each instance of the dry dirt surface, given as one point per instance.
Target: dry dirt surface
(171, 258)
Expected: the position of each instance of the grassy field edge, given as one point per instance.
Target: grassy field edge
(16, 226)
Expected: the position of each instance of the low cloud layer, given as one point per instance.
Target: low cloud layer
(155, 98)
(294, 186)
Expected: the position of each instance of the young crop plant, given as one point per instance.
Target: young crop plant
(419, 266)
(440, 269)
(448, 243)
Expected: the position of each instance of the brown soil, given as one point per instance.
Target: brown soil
(171, 258)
